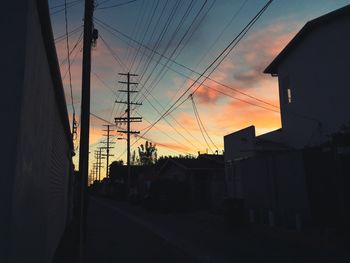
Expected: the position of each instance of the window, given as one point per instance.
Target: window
(286, 90)
(289, 94)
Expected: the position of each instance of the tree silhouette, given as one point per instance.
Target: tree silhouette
(147, 153)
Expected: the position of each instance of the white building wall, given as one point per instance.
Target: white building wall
(317, 72)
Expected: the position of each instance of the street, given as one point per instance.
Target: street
(119, 232)
(113, 237)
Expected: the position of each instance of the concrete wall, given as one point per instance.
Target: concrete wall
(38, 174)
(317, 72)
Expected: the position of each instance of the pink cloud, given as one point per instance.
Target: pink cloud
(254, 54)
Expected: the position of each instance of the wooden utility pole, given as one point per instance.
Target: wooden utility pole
(99, 157)
(108, 147)
(85, 123)
(95, 165)
(94, 177)
(128, 119)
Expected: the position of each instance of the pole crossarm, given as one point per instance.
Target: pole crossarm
(129, 83)
(128, 74)
(126, 119)
(131, 103)
(130, 132)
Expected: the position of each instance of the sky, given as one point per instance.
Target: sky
(192, 33)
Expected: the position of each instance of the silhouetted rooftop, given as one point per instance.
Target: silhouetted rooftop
(307, 28)
(205, 161)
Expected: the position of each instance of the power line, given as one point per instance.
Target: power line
(226, 94)
(173, 106)
(163, 71)
(103, 24)
(218, 60)
(62, 5)
(72, 62)
(80, 38)
(170, 124)
(223, 54)
(174, 119)
(114, 55)
(144, 35)
(165, 133)
(200, 121)
(137, 135)
(70, 33)
(120, 63)
(73, 3)
(104, 83)
(116, 5)
(171, 40)
(200, 128)
(74, 123)
(134, 30)
(161, 36)
(234, 98)
(100, 118)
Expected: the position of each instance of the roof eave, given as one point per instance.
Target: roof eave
(273, 67)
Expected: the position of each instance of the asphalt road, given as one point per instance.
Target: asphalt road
(118, 232)
(114, 237)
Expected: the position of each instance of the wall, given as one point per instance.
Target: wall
(12, 49)
(274, 187)
(316, 70)
(239, 144)
(39, 177)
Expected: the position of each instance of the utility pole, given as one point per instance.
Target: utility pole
(90, 177)
(98, 156)
(108, 147)
(95, 166)
(93, 172)
(85, 123)
(128, 119)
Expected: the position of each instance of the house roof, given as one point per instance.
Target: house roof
(203, 162)
(308, 27)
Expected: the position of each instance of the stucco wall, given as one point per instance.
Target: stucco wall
(317, 72)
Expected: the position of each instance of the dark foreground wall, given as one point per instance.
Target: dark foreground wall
(273, 187)
(35, 199)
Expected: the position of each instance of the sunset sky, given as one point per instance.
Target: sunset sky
(211, 26)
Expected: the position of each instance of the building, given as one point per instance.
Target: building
(36, 157)
(199, 180)
(268, 171)
(313, 79)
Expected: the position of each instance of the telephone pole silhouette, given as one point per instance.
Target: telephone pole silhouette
(128, 119)
(94, 173)
(99, 157)
(85, 123)
(108, 147)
